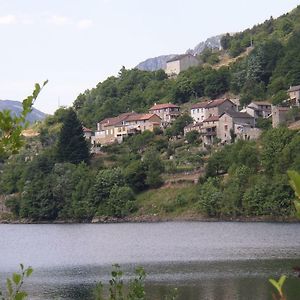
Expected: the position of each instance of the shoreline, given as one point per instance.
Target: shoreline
(157, 219)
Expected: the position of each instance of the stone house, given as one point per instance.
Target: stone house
(230, 121)
(206, 109)
(256, 109)
(279, 115)
(167, 112)
(209, 130)
(193, 127)
(294, 94)
(180, 63)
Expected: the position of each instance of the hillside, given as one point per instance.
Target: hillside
(159, 62)
(16, 108)
(263, 71)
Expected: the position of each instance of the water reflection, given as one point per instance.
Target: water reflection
(232, 280)
(213, 261)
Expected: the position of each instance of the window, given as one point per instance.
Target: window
(225, 127)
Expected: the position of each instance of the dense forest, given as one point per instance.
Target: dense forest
(54, 177)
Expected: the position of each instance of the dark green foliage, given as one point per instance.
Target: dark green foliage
(72, 146)
(225, 41)
(210, 197)
(192, 136)
(135, 174)
(121, 201)
(154, 168)
(177, 127)
(105, 181)
(273, 143)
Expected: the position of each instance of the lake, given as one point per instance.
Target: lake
(204, 260)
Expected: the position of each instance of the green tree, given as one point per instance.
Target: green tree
(210, 197)
(72, 146)
(121, 201)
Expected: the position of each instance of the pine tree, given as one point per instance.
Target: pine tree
(72, 146)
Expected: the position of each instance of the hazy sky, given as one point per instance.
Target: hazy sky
(77, 43)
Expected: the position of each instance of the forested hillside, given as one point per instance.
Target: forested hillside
(164, 174)
(265, 72)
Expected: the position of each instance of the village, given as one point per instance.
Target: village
(217, 121)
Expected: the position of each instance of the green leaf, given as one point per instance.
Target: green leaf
(276, 285)
(281, 280)
(29, 271)
(16, 278)
(9, 286)
(21, 296)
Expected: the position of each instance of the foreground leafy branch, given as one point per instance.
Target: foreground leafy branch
(295, 184)
(11, 126)
(15, 283)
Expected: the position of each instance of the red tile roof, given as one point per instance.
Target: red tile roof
(85, 129)
(116, 120)
(141, 117)
(163, 105)
(210, 103)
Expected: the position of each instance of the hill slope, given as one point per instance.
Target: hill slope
(16, 108)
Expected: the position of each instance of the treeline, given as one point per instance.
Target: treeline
(255, 181)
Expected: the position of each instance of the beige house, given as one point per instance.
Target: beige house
(230, 121)
(294, 94)
(87, 133)
(180, 63)
(167, 112)
(258, 109)
(206, 109)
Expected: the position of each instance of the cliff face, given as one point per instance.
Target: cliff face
(155, 63)
(159, 62)
(16, 108)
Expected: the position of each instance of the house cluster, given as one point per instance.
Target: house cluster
(115, 129)
(220, 120)
(215, 120)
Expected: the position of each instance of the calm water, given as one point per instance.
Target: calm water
(204, 260)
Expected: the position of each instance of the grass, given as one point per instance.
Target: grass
(172, 201)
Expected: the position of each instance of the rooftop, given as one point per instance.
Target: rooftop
(85, 129)
(211, 119)
(116, 120)
(210, 103)
(261, 103)
(179, 57)
(163, 105)
(237, 114)
(140, 117)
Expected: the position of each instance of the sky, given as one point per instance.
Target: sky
(77, 43)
